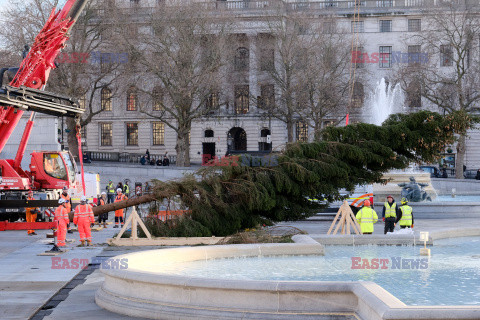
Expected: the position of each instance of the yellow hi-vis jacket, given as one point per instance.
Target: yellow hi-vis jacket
(366, 217)
(406, 219)
(390, 211)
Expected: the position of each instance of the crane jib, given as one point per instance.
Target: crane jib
(28, 99)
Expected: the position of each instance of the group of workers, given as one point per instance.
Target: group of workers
(83, 216)
(391, 215)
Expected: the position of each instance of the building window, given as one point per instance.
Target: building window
(134, 3)
(157, 96)
(329, 27)
(384, 3)
(302, 131)
(241, 59)
(267, 96)
(358, 95)
(106, 99)
(106, 134)
(414, 54)
(385, 25)
(132, 134)
(414, 25)
(158, 133)
(385, 59)
(82, 102)
(357, 58)
(446, 56)
(132, 99)
(241, 99)
(357, 26)
(83, 132)
(209, 133)
(414, 96)
(267, 59)
(212, 102)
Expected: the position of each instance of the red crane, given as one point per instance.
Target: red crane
(49, 170)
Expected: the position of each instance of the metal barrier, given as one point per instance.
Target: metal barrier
(125, 157)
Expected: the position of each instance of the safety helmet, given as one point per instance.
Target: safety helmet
(119, 190)
(367, 203)
(30, 192)
(83, 199)
(104, 193)
(61, 201)
(389, 196)
(404, 201)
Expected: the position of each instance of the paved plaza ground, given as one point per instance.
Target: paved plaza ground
(28, 281)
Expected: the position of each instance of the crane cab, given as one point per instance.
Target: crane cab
(53, 170)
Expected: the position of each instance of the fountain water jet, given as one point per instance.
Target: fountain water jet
(384, 101)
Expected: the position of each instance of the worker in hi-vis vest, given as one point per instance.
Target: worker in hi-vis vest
(406, 215)
(366, 217)
(389, 214)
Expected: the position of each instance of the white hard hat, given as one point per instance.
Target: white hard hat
(104, 192)
(83, 199)
(119, 190)
(61, 200)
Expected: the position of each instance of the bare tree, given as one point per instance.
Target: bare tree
(79, 74)
(309, 70)
(448, 77)
(325, 84)
(182, 57)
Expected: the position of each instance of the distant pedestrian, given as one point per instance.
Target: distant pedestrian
(147, 155)
(389, 214)
(104, 216)
(110, 191)
(478, 175)
(366, 217)
(119, 186)
(166, 161)
(126, 189)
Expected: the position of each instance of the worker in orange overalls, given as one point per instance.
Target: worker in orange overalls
(68, 201)
(119, 213)
(61, 216)
(31, 213)
(83, 218)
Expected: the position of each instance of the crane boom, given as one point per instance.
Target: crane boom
(35, 69)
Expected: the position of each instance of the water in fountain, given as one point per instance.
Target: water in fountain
(384, 101)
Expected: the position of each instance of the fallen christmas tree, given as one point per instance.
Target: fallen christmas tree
(228, 199)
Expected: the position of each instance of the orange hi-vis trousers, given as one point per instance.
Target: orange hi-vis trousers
(83, 217)
(61, 216)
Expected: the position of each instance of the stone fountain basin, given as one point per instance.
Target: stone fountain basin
(140, 291)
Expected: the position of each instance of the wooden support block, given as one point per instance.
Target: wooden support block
(52, 253)
(425, 252)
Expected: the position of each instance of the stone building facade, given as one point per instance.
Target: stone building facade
(384, 27)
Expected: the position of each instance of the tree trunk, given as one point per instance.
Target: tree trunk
(72, 142)
(460, 161)
(183, 150)
(289, 130)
